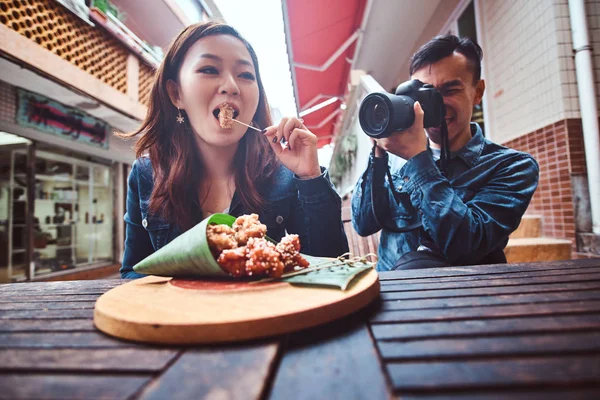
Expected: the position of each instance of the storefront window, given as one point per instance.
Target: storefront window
(102, 207)
(54, 228)
(72, 222)
(74, 206)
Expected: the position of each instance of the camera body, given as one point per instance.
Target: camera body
(382, 114)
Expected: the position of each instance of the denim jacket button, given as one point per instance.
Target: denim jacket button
(406, 179)
(279, 219)
(399, 188)
(145, 223)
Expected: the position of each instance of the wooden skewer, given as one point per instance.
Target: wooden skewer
(249, 126)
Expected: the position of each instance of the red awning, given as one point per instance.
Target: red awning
(322, 37)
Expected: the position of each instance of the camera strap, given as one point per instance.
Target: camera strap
(377, 182)
(445, 151)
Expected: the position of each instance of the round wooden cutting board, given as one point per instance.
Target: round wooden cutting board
(176, 311)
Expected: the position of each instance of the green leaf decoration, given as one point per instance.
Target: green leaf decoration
(328, 272)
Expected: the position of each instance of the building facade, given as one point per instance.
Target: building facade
(72, 73)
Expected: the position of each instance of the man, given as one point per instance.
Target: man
(466, 215)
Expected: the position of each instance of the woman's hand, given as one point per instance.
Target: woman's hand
(300, 153)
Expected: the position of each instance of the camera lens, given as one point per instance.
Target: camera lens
(376, 115)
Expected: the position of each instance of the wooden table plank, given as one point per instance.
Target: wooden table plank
(489, 291)
(495, 373)
(220, 372)
(67, 387)
(45, 287)
(481, 301)
(24, 294)
(32, 325)
(335, 361)
(499, 311)
(404, 286)
(60, 340)
(46, 314)
(64, 305)
(489, 269)
(479, 327)
(548, 344)
(45, 298)
(61, 289)
(487, 277)
(551, 393)
(86, 360)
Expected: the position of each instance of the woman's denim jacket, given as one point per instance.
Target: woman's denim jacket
(309, 208)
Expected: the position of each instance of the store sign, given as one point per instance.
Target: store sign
(49, 116)
(78, 8)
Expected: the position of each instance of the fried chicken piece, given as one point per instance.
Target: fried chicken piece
(243, 250)
(225, 116)
(233, 261)
(300, 261)
(263, 258)
(289, 248)
(220, 237)
(247, 226)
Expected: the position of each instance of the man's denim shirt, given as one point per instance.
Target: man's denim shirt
(465, 216)
(309, 208)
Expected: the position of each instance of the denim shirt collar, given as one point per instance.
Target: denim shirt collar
(471, 151)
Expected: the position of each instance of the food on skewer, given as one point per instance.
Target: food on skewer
(226, 113)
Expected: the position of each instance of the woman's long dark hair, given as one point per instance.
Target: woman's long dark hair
(176, 162)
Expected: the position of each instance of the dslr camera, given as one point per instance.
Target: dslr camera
(382, 114)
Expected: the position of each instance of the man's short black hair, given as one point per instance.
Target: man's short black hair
(443, 46)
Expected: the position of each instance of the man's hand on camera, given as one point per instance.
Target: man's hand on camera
(379, 152)
(407, 143)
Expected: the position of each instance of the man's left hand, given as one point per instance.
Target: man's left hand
(410, 142)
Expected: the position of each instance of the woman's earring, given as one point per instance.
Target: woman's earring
(179, 116)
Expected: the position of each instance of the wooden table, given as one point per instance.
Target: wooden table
(517, 331)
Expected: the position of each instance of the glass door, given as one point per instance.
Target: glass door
(64, 220)
(55, 195)
(82, 214)
(14, 243)
(77, 199)
(102, 246)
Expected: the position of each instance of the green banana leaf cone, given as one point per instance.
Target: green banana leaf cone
(189, 255)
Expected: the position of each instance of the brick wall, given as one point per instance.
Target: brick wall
(560, 152)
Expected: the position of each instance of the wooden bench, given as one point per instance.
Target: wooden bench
(359, 245)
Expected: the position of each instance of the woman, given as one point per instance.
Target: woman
(189, 167)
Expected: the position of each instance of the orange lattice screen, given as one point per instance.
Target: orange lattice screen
(145, 82)
(52, 26)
